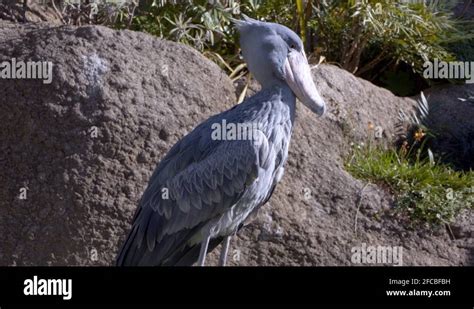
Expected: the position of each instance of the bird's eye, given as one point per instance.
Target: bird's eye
(292, 46)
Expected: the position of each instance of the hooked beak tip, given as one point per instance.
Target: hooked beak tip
(319, 108)
(322, 110)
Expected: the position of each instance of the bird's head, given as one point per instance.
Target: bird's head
(275, 54)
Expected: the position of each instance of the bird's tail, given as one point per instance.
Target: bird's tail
(190, 254)
(171, 250)
(135, 251)
(168, 252)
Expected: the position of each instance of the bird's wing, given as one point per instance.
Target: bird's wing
(198, 180)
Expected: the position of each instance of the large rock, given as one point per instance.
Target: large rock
(319, 212)
(139, 94)
(451, 117)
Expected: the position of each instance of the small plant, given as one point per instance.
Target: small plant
(426, 186)
(426, 192)
(414, 132)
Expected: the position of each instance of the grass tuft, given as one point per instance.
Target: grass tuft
(426, 191)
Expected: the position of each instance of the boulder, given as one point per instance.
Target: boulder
(451, 115)
(83, 147)
(319, 212)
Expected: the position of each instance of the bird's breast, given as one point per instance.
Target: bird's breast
(271, 156)
(272, 123)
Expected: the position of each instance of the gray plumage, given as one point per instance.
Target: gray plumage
(204, 189)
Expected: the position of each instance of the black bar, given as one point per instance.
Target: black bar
(237, 285)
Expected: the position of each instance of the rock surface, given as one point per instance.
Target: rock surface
(451, 117)
(319, 212)
(85, 146)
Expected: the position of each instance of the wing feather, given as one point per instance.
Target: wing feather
(204, 178)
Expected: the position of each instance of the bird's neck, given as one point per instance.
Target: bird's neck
(285, 96)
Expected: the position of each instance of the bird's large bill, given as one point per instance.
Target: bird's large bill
(297, 74)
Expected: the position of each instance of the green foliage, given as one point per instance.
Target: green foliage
(425, 191)
(203, 24)
(425, 188)
(279, 11)
(97, 12)
(366, 36)
(463, 49)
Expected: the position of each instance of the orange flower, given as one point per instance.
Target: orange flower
(419, 135)
(371, 125)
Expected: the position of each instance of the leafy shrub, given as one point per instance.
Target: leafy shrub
(367, 36)
(364, 36)
(97, 12)
(371, 38)
(203, 24)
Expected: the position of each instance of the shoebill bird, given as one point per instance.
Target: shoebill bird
(204, 189)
